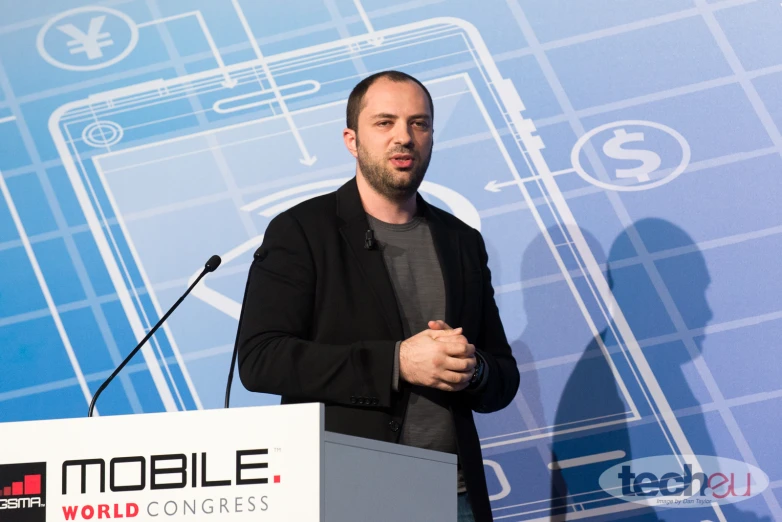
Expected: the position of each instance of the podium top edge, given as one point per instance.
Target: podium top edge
(331, 437)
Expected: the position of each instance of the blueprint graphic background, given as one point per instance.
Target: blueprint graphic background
(620, 158)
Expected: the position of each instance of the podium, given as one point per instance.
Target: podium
(271, 463)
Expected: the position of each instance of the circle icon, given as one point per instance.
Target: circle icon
(271, 205)
(632, 167)
(102, 134)
(87, 38)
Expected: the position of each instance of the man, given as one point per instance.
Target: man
(378, 304)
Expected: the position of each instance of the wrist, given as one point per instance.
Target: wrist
(477, 374)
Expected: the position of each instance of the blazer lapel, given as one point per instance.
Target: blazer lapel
(370, 262)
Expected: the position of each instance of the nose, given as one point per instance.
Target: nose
(402, 135)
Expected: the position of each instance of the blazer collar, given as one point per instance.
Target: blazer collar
(349, 206)
(373, 269)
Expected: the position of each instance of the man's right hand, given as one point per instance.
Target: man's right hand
(441, 359)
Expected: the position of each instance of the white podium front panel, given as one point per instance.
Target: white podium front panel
(244, 464)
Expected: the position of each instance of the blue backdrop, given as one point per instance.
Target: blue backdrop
(622, 160)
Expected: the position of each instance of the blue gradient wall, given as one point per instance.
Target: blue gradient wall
(622, 160)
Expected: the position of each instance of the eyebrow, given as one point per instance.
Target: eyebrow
(385, 115)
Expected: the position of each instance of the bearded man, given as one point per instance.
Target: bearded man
(380, 305)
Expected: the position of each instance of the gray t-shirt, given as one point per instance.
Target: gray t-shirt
(411, 260)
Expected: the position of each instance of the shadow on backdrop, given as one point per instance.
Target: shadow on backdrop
(557, 394)
(591, 390)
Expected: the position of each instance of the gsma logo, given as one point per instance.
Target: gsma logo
(23, 492)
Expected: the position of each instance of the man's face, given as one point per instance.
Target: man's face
(393, 144)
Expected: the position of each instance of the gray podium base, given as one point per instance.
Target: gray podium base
(367, 480)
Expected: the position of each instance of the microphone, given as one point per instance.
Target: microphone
(210, 266)
(369, 240)
(235, 353)
(258, 256)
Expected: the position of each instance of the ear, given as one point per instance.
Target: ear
(351, 139)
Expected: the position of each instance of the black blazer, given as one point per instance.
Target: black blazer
(320, 322)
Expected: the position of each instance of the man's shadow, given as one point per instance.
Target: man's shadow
(591, 390)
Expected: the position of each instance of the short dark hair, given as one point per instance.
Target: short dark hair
(356, 98)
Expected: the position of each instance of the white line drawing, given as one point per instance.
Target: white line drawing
(460, 206)
(90, 43)
(561, 428)
(599, 286)
(160, 359)
(283, 194)
(582, 508)
(587, 459)
(643, 174)
(47, 295)
(505, 96)
(494, 186)
(534, 146)
(306, 159)
(91, 48)
(597, 109)
(7, 119)
(228, 81)
(530, 128)
(219, 108)
(375, 40)
(102, 134)
(503, 480)
(112, 266)
(214, 298)
(772, 130)
(592, 268)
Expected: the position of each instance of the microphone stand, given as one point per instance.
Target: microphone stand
(210, 266)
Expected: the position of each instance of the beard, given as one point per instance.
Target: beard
(386, 180)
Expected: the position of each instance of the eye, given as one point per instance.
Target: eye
(383, 123)
(421, 125)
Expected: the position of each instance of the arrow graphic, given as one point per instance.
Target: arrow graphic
(375, 40)
(306, 158)
(228, 81)
(493, 186)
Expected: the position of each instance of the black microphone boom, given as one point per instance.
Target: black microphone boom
(210, 266)
(235, 353)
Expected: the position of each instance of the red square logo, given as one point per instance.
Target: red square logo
(32, 484)
(17, 488)
(276, 479)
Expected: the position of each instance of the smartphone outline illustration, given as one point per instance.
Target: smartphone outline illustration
(520, 147)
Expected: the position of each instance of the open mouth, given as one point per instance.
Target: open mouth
(402, 161)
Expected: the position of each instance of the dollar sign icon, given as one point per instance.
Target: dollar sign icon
(650, 161)
(616, 147)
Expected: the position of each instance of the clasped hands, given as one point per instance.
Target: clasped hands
(439, 357)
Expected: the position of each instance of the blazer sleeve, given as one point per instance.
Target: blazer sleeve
(502, 379)
(275, 353)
